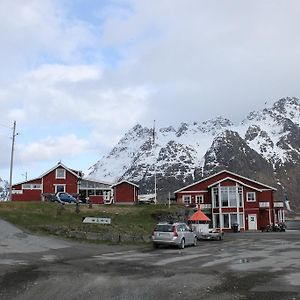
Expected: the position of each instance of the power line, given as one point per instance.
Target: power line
(6, 126)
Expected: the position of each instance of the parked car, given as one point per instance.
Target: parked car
(65, 197)
(212, 234)
(50, 197)
(173, 234)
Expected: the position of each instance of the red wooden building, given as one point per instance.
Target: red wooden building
(61, 179)
(228, 198)
(125, 192)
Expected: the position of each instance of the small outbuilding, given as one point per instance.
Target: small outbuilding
(125, 192)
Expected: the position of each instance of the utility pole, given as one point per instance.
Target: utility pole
(155, 183)
(12, 160)
(25, 175)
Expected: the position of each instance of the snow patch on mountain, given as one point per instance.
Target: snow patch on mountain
(4, 188)
(267, 131)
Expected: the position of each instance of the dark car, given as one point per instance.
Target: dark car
(65, 197)
(51, 198)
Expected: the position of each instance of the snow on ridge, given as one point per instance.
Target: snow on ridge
(269, 125)
(187, 143)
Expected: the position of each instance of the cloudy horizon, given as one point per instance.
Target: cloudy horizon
(76, 75)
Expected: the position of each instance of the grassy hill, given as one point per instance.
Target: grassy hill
(128, 223)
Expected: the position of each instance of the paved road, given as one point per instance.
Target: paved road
(243, 266)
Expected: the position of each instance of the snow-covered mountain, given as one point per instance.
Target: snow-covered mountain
(3, 190)
(264, 146)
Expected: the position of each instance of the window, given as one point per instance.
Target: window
(240, 191)
(241, 220)
(60, 188)
(224, 196)
(232, 196)
(216, 220)
(229, 196)
(216, 197)
(225, 220)
(31, 186)
(199, 199)
(60, 174)
(233, 219)
(187, 199)
(251, 197)
(26, 186)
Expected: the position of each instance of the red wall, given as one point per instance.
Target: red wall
(70, 181)
(125, 192)
(96, 199)
(48, 181)
(27, 195)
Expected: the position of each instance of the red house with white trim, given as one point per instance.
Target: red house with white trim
(60, 178)
(227, 198)
(125, 192)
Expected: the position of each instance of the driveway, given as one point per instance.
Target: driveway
(243, 266)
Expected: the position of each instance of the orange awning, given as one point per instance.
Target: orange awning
(199, 216)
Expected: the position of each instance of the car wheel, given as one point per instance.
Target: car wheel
(182, 244)
(195, 242)
(155, 246)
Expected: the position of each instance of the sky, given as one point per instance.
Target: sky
(77, 74)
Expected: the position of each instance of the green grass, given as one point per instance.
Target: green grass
(43, 217)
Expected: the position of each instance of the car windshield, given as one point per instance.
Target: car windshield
(164, 228)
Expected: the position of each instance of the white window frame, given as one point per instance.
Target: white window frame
(225, 190)
(221, 216)
(31, 186)
(56, 185)
(215, 192)
(60, 177)
(187, 196)
(199, 199)
(254, 198)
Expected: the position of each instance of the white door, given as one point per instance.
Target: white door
(252, 222)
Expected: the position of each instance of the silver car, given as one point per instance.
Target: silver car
(177, 234)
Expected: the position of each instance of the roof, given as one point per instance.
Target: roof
(229, 172)
(75, 173)
(236, 180)
(27, 181)
(199, 216)
(60, 164)
(95, 180)
(125, 181)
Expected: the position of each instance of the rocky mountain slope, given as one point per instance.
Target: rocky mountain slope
(3, 190)
(264, 146)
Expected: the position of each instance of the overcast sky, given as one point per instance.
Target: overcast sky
(77, 74)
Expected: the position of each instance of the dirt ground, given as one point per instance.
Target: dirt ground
(243, 266)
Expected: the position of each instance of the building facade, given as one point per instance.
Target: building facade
(60, 178)
(228, 198)
(125, 192)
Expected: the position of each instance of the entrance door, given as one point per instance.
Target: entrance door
(252, 222)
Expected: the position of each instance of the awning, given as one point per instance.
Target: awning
(199, 216)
